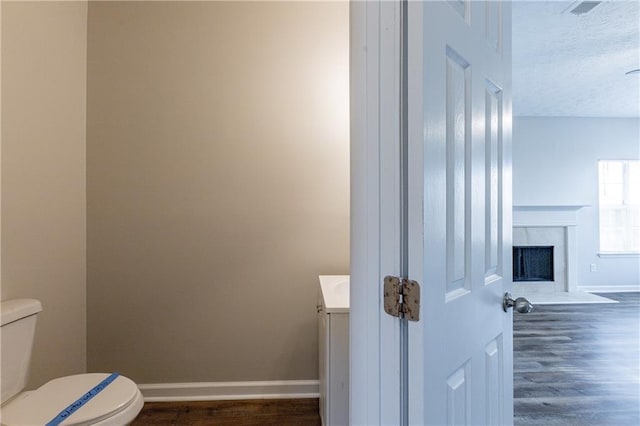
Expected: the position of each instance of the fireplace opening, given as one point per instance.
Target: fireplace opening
(533, 263)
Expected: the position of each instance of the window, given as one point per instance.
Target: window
(619, 188)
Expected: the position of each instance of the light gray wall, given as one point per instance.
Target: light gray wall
(555, 161)
(44, 47)
(218, 185)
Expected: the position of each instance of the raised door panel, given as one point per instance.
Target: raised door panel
(459, 396)
(494, 365)
(493, 182)
(458, 139)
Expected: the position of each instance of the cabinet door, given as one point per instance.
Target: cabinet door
(338, 383)
(323, 347)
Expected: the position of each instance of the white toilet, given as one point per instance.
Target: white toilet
(83, 399)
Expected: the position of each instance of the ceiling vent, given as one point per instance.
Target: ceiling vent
(582, 7)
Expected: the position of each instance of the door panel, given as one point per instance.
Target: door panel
(494, 364)
(459, 211)
(459, 396)
(493, 173)
(457, 144)
(493, 25)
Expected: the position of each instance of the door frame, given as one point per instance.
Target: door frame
(375, 79)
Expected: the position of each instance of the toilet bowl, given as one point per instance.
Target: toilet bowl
(98, 399)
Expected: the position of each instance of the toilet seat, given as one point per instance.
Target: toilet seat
(45, 403)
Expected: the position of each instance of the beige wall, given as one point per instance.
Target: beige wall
(217, 157)
(43, 175)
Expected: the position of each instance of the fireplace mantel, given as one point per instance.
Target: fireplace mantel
(546, 215)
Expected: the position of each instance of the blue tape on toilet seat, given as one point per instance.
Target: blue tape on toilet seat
(72, 408)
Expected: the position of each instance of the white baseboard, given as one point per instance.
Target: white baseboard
(219, 391)
(609, 288)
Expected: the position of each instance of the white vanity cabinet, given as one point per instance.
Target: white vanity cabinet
(333, 333)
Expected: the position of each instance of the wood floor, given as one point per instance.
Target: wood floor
(281, 412)
(578, 364)
(573, 365)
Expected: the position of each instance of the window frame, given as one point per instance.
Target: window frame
(624, 206)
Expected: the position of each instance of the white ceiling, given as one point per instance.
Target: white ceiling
(568, 65)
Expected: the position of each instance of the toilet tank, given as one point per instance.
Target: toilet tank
(18, 327)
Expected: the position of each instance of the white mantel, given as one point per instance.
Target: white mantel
(539, 215)
(562, 216)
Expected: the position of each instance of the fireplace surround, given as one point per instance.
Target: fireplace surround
(545, 226)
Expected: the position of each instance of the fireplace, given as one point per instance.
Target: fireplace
(548, 226)
(533, 263)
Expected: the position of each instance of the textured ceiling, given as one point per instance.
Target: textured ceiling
(568, 65)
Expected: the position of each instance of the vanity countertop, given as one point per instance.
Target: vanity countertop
(335, 293)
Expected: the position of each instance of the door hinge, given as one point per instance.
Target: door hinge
(402, 298)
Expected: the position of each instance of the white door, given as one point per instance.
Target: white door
(435, 206)
(459, 97)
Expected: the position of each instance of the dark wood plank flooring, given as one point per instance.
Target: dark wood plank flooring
(573, 365)
(578, 364)
(282, 412)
